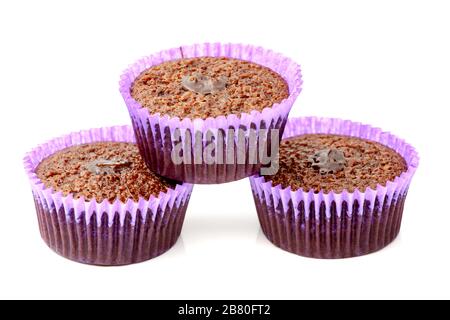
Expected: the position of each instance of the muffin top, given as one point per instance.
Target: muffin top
(208, 87)
(103, 170)
(325, 162)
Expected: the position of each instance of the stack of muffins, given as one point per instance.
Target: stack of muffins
(209, 114)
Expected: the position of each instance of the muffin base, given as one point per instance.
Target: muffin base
(120, 243)
(344, 235)
(159, 158)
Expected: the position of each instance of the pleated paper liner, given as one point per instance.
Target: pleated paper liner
(157, 135)
(105, 233)
(335, 225)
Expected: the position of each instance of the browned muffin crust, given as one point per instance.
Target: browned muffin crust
(103, 170)
(367, 163)
(232, 87)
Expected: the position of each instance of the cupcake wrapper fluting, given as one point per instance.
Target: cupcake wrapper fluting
(158, 135)
(105, 233)
(334, 225)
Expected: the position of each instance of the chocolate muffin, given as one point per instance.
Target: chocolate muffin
(191, 104)
(101, 170)
(340, 189)
(206, 87)
(97, 203)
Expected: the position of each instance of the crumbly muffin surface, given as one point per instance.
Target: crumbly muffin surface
(208, 87)
(335, 163)
(103, 170)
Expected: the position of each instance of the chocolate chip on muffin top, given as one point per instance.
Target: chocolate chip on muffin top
(103, 170)
(208, 87)
(325, 162)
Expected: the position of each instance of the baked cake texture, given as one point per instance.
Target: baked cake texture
(102, 170)
(208, 87)
(325, 162)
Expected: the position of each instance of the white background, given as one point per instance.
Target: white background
(386, 63)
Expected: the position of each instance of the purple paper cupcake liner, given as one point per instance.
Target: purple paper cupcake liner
(105, 233)
(157, 135)
(334, 225)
